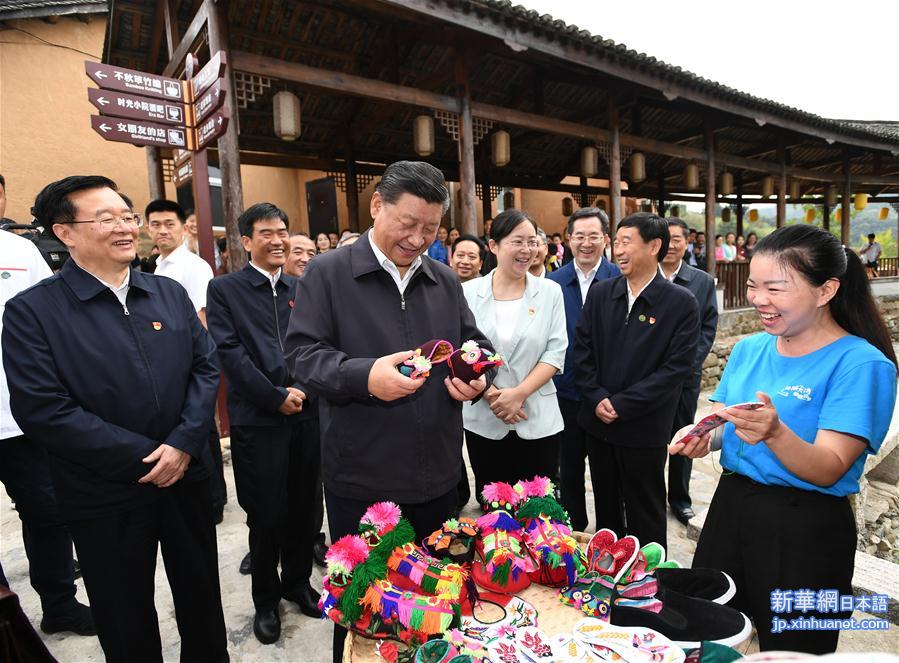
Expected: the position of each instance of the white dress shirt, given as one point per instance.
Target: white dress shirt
(188, 269)
(391, 268)
(120, 291)
(632, 296)
(674, 274)
(21, 266)
(586, 280)
(272, 278)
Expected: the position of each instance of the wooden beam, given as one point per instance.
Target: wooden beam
(229, 148)
(738, 177)
(782, 186)
(154, 172)
(614, 168)
(156, 37)
(176, 62)
(466, 145)
(387, 92)
(170, 25)
(352, 192)
(710, 197)
(661, 194)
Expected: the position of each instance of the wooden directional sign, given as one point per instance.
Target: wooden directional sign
(109, 77)
(138, 132)
(209, 73)
(135, 107)
(183, 173)
(180, 156)
(209, 101)
(211, 128)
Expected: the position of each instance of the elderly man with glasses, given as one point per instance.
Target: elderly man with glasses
(113, 374)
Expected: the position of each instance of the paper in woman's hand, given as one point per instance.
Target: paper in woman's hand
(712, 421)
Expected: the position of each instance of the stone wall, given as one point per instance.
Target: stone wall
(735, 325)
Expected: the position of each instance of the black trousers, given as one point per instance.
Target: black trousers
(25, 473)
(774, 537)
(463, 489)
(118, 563)
(276, 473)
(680, 467)
(219, 488)
(344, 515)
(511, 458)
(629, 489)
(572, 465)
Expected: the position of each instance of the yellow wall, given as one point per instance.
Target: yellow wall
(45, 131)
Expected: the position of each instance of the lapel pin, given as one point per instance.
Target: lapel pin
(157, 326)
(532, 311)
(652, 321)
(642, 318)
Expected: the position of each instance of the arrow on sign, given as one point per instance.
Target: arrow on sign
(105, 127)
(136, 107)
(143, 133)
(101, 75)
(103, 101)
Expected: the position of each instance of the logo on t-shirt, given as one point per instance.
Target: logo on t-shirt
(797, 390)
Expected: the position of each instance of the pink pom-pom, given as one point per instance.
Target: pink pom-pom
(536, 487)
(500, 493)
(345, 554)
(383, 516)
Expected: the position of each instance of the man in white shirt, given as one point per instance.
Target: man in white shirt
(25, 472)
(869, 255)
(166, 227)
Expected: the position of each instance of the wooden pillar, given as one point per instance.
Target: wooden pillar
(228, 146)
(614, 169)
(486, 198)
(466, 147)
(781, 185)
(663, 208)
(825, 215)
(710, 199)
(352, 191)
(846, 226)
(739, 185)
(584, 193)
(154, 171)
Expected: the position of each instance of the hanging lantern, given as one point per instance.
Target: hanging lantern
(508, 200)
(589, 161)
(839, 215)
(500, 148)
(691, 176)
(883, 213)
(675, 211)
(830, 196)
(861, 201)
(767, 186)
(794, 190)
(286, 106)
(726, 186)
(810, 215)
(638, 167)
(423, 135)
(725, 215)
(753, 215)
(567, 206)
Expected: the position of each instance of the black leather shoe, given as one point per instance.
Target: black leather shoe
(246, 565)
(78, 620)
(684, 514)
(319, 550)
(306, 599)
(218, 515)
(267, 626)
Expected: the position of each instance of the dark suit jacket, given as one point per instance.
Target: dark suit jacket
(571, 293)
(639, 361)
(102, 386)
(703, 288)
(348, 313)
(248, 324)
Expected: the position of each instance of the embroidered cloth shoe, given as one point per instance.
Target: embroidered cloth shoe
(614, 558)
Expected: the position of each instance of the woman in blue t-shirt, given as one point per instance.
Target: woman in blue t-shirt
(826, 374)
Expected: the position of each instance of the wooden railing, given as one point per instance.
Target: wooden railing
(887, 267)
(733, 275)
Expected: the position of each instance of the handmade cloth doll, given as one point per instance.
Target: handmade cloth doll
(547, 534)
(425, 357)
(505, 561)
(471, 361)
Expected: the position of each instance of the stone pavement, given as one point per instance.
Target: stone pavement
(306, 640)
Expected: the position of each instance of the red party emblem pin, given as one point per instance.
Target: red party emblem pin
(290, 303)
(157, 326)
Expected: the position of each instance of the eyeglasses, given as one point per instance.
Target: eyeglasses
(111, 220)
(581, 237)
(519, 243)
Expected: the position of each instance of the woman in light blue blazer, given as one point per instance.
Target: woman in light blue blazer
(513, 432)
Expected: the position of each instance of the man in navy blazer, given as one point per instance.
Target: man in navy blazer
(588, 232)
(676, 270)
(634, 348)
(275, 449)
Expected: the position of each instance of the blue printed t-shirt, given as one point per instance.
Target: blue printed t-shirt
(847, 386)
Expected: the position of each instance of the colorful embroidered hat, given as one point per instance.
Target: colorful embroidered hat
(412, 568)
(505, 561)
(547, 533)
(471, 361)
(425, 357)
